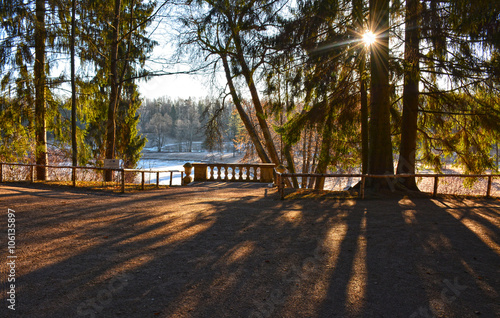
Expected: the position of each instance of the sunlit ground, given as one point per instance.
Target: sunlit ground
(217, 250)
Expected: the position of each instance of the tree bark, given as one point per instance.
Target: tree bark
(114, 95)
(407, 150)
(304, 159)
(315, 154)
(74, 144)
(380, 150)
(364, 121)
(261, 152)
(261, 116)
(310, 155)
(290, 164)
(358, 15)
(324, 155)
(39, 70)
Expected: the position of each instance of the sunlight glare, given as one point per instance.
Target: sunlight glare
(369, 38)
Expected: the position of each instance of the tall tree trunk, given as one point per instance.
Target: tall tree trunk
(304, 159)
(261, 116)
(286, 149)
(314, 156)
(324, 155)
(261, 152)
(114, 95)
(407, 150)
(364, 124)
(307, 168)
(496, 144)
(290, 164)
(358, 14)
(39, 70)
(74, 144)
(380, 150)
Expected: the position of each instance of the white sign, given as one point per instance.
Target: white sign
(112, 163)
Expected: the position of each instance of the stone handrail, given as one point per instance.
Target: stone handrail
(260, 172)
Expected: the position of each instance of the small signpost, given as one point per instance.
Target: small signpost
(112, 163)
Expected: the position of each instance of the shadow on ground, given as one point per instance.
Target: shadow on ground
(236, 250)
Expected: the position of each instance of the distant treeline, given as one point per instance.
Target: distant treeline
(184, 121)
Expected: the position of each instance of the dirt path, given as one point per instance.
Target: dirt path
(216, 250)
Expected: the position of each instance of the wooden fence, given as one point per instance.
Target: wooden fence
(280, 180)
(263, 172)
(74, 170)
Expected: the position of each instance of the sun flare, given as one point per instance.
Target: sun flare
(369, 38)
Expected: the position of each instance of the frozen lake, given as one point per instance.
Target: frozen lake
(157, 164)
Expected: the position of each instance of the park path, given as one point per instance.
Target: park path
(236, 250)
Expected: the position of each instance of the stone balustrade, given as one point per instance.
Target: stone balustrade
(261, 172)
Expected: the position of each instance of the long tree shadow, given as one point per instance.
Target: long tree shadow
(239, 252)
(460, 251)
(435, 265)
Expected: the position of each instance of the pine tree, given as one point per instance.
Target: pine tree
(118, 54)
(29, 29)
(408, 144)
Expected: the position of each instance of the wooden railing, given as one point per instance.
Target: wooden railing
(280, 180)
(262, 172)
(31, 177)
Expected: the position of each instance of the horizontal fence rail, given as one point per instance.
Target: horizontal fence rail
(242, 172)
(280, 179)
(74, 175)
(263, 172)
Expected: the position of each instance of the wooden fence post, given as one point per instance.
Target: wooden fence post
(123, 180)
(1, 173)
(362, 188)
(73, 175)
(142, 180)
(32, 174)
(157, 179)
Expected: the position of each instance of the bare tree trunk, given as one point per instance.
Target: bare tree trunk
(407, 150)
(324, 155)
(73, 86)
(243, 115)
(380, 151)
(303, 181)
(290, 163)
(358, 15)
(39, 70)
(314, 156)
(364, 124)
(497, 155)
(308, 166)
(114, 95)
(261, 117)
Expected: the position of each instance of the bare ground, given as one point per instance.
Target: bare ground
(235, 250)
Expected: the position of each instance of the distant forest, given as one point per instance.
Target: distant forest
(376, 86)
(184, 121)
